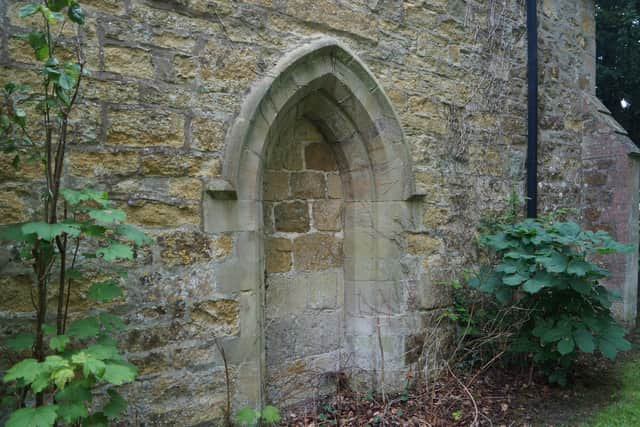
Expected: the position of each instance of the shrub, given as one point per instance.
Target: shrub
(545, 271)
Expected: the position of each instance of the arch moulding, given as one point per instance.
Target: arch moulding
(324, 81)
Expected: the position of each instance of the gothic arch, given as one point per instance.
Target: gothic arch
(329, 86)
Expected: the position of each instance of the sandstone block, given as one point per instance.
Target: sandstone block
(185, 67)
(145, 128)
(327, 215)
(128, 61)
(278, 255)
(207, 134)
(292, 217)
(319, 156)
(317, 251)
(275, 185)
(422, 244)
(186, 188)
(223, 314)
(101, 164)
(157, 214)
(307, 185)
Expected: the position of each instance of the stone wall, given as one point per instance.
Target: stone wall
(177, 123)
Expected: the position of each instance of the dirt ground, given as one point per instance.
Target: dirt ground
(500, 396)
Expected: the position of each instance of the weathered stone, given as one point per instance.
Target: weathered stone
(320, 157)
(100, 164)
(219, 313)
(184, 248)
(180, 165)
(275, 185)
(186, 188)
(207, 134)
(128, 62)
(334, 186)
(161, 214)
(422, 244)
(307, 185)
(278, 255)
(185, 67)
(145, 128)
(327, 215)
(316, 251)
(292, 217)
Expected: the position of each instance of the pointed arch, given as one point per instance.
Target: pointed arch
(322, 65)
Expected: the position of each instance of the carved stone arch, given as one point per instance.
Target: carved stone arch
(326, 84)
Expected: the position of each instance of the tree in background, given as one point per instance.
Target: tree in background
(618, 61)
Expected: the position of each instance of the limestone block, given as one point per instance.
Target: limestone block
(128, 61)
(275, 185)
(381, 298)
(327, 215)
(145, 128)
(334, 186)
(278, 255)
(292, 216)
(317, 251)
(307, 185)
(221, 216)
(324, 289)
(285, 296)
(318, 156)
(223, 314)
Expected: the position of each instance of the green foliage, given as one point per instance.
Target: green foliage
(251, 417)
(544, 270)
(70, 363)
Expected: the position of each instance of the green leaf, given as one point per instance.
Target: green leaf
(536, 283)
(247, 416)
(607, 348)
(90, 364)
(105, 291)
(58, 5)
(12, 232)
(62, 376)
(75, 197)
(84, 328)
(28, 10)
(584, 340)
(579, 268)
(566, 345)
(115, 406)
(66, 81)
(48, 232)
(76, 14)
(49, 329)
(43, 416)
(79, 390)
(59, 342)
(556, 263)
(72, 412)
(21, 342)
(108, 216)
(118, 374)
(115, 251)
(514, 279)
(133, 234)
(111, 323)
(104, 352)
(26, 369)
(270, 414)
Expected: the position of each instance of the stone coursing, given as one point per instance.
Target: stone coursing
(160, 112)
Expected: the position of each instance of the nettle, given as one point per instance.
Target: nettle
(544, 269)
(67, 367)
